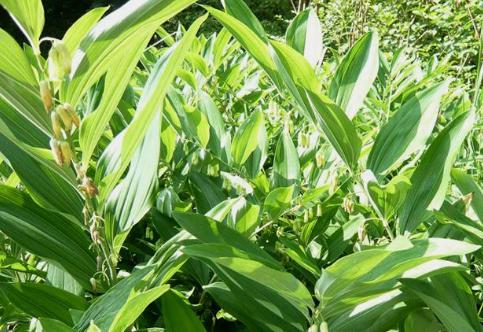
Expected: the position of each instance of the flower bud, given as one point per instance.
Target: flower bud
(66, 152)
(59, 61)
(46, 95)
(320, 159)
(56, 125)
(66, 117)
(73, 114)
(348, 205)
(57, 151)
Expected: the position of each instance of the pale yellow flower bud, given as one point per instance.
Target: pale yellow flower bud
(59, 61)
(46, 95)
(66, 152)
(56, 125)
(66, 117)
(57, 151)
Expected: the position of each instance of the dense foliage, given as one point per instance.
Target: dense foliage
(234, 181)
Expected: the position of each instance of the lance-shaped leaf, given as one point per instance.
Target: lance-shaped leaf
(289, 69)
(247, 138)
(18, 85)
(133, 197)
(407, 131)
(277, 297)
(29, 16)
(240, 10)
(42, 300)
(93, 58)
(357, 278)
(450, 298)
(431, 178)
(355, 74)
(81, 27)
(50, 186)
(286, 164)
(154, 91)
(304, 34)
(178, 315)
(46, 234)
(122, 304)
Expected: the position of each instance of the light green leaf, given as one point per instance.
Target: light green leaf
(208, 230)
(355, 74)
(304, 34)
(133, 197)
(78, 30)
(240, 10)
(123, 303)
(432, 175)
(286, 164)
(18, 86)
(407, 131)
(29, 16)
(247, 137)
(278, 200)
(154, 91)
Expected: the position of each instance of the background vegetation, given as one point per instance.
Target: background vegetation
(316, 170)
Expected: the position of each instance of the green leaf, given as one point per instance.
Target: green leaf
(19, 88)
(276, 296)
(78, 30)
(387, 198)
(407, 131)
(138, 20)
(304, 34)
(278, 200)
(154, 91)
(177, 314)
(49, 185)
(355, 74)
(133, 197)
(326, 116)
(240, 10)
(116, 80)
(360, 277)
(207, 193)
(467, 185)
(431, 177)
(220, 139)
(46, 234)
(247, 137)
(286, 164)
(209, 231)
(41, 300)
(450, 298)
(29, 16)
(52, 325)
(117, 309)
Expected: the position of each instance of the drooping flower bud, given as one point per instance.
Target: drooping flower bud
(56, 125)
(59, 61)
(46, 95)
(66, 152)
(57, 151)
(320, 159)
(66, 117)
(73, 114)
(348, 205)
